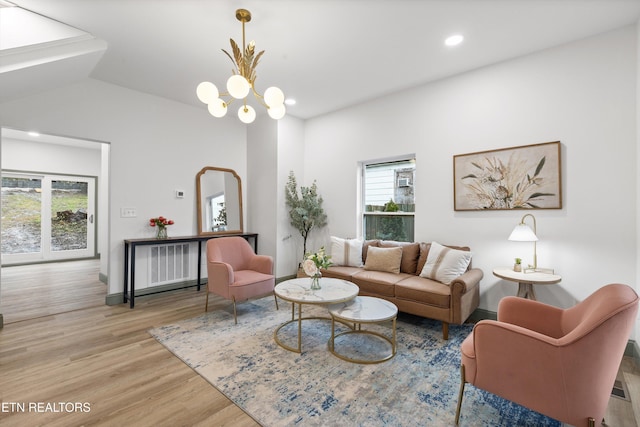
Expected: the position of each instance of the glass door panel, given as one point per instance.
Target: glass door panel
(69, 206)
(21, 216)
(51, 218)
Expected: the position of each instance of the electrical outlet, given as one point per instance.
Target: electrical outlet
(128, 213)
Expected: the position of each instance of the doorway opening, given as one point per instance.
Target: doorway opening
(54, 230)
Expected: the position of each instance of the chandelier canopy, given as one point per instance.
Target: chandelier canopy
(242, 82)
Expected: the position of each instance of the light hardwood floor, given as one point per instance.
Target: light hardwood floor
(104, 356)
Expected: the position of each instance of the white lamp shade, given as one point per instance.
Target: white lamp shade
(523, 233)
(273, 96)
(277, 112)
(207, 92)
(218, 108)
(238, 86)
(246, 114)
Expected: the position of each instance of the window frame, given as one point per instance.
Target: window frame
(362, 196)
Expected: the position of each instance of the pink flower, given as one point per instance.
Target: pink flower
(309, 267)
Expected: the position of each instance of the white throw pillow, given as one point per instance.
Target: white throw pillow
(445, 264)
(346, 252)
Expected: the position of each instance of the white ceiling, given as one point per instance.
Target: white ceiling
(326, 54)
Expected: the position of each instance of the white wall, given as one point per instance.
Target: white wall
(637, 330)
(582, 94)
(50, 158)
(290, 158)
(157, 146)
(261, 183)
(273, 149)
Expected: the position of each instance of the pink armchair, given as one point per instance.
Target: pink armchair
(236, 273)
(561, 363)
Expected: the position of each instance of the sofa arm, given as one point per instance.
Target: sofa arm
(467, 281)
(261, 263)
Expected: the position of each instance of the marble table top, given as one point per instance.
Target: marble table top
(535, 278)
(364, 309)
(331, 291)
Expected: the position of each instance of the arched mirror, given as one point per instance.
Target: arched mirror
(219, 200)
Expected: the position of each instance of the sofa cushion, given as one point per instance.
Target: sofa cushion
(377, 282)
(424, 291)
(445, 264)
(410, 254)
(384, 259)
(340, 272)
(346, 252)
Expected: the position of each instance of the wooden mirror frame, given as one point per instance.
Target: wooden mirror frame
(200, 202)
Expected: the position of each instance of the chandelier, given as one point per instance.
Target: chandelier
(242, 82)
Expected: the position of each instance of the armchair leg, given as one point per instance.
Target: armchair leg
(276, 298)
(460, 393)
(445, 331)
(206, 303)
(592, 422)
(235, 314)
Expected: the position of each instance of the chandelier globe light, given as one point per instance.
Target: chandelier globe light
(241, 83)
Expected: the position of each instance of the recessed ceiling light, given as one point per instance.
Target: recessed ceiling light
(33, 134)
(454, 40)
(290, 101)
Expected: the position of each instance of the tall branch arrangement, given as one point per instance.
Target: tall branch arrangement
(305, 208)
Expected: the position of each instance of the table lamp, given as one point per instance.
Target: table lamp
(523, 233)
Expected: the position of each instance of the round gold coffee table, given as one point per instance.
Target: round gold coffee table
(363, 310)
(298, 292)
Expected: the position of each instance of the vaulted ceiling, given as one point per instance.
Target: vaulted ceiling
(326, 54)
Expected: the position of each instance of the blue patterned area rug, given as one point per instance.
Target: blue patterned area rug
(418, 387)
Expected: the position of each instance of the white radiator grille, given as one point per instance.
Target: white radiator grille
(169, 263)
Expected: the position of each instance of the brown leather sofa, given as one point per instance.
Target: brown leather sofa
(449, 303)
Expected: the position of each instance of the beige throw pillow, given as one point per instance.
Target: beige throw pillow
(384, 259)
(445, 264)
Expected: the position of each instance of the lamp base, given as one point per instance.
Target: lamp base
(538, 270)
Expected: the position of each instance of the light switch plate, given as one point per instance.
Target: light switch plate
(128, 213)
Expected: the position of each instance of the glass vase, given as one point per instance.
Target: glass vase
(161, 233)
(315, 282)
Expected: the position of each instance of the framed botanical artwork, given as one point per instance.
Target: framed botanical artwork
(525, 177)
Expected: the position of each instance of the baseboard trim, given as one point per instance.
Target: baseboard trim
(117, 298)
(103, 278)
(482, 314)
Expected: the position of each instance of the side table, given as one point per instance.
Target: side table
(363, 310)
(526, 280)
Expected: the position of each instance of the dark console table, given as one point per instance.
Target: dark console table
(130, 257)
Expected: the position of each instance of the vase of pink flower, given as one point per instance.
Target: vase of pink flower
(312, 265)
(161, 224)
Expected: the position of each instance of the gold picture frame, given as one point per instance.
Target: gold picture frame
(525, 177)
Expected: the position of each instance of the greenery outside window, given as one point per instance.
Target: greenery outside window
(388, 203)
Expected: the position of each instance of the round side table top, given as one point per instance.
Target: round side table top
(534, 278)
(331, 291)
(364, 309)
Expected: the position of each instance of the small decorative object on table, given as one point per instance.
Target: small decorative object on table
(161, 223)
(312, 265)
(518, 265)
